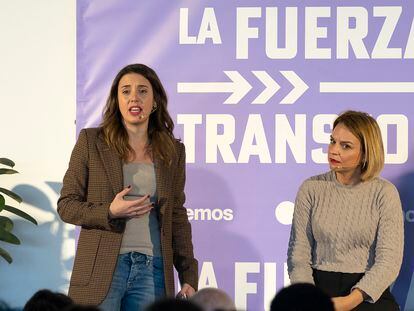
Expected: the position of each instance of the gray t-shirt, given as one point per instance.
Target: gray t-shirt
(141, 234)
(349, 229)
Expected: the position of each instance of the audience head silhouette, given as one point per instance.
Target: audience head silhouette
(46, 300)
(171, 304)
(301, 297)
(211, 299)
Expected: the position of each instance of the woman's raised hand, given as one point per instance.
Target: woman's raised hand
(121, 208)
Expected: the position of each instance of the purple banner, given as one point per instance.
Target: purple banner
(253, 89)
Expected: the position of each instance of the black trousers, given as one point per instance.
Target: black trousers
(339, 284)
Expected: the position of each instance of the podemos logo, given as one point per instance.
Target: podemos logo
(210, 214)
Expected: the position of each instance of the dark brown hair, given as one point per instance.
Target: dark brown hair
(160, 125)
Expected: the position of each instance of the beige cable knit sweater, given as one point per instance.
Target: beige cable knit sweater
(349, 229)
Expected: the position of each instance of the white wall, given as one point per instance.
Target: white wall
(37, 131)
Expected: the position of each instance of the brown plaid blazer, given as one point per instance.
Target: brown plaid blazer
(90, 184)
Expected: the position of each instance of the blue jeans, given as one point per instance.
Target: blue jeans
(138, 280)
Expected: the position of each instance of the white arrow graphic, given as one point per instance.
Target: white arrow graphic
(238, 86)
(299, 87)
(366, 87)
(271, 87)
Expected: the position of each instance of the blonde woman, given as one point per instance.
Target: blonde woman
(347, 231)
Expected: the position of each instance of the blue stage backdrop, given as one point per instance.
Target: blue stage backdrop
(253, 88)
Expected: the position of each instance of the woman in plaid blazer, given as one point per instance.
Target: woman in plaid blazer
(136, 128)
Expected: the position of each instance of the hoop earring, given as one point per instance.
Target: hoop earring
(154, 107)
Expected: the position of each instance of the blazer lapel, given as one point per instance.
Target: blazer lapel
(160, 175)
(112, 164)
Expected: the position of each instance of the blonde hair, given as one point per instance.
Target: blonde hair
(366, 129)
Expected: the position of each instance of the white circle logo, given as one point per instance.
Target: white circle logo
(284, 212)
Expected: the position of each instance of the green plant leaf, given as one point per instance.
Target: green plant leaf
(20, 213)
(2, 202)
(11, 194)
(5, 255)
(7, 162)
(7, 171)
(6, 223)
(8, 237)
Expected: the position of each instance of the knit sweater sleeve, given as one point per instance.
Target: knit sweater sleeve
(301, 239)
(389, 245)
